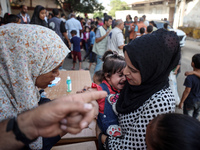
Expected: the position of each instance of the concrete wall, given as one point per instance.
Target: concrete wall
(192, 14)
(153, 12)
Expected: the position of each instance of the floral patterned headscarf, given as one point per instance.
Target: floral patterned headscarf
(26, 51)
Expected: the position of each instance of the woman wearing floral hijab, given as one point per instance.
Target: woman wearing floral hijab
(39, 16)
(146, 93)
(30, 57)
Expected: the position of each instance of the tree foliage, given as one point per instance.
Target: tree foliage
(98, 14)
(117, 5)
(83, 6)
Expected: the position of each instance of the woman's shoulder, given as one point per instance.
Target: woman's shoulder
(163, 98)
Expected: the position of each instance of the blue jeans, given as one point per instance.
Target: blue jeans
(99, 63)
(192, 109)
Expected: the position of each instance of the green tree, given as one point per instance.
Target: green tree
(117, 5)
(82, 6)
(98, 14)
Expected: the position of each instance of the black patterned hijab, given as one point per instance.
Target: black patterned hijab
(36, 16)
(154, 55)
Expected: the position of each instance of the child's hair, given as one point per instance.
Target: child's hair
(173, 131)
(149, 29)
(98, 75)
(142, 30)
(165, 25)
(196, 61)
(112, 63)
(73, 32)
(10, 18)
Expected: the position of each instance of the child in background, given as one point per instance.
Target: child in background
(191, 94)
(86, 38)
(76, 48)
(173, 132)
(90, 53)
(113, 82)
(142, 32)
(97, 78)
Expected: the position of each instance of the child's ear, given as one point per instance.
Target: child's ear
(192, 64)
(107, 76)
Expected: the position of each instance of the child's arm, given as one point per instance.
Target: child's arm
(176, 70)
(187, 73)
(184, 96)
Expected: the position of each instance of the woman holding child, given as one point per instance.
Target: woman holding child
(146, 94)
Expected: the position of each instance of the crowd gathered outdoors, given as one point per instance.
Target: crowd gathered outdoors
(130, 96)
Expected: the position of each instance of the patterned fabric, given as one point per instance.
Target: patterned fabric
(134, 124)
(26, 51)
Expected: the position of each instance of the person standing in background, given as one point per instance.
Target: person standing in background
(25, 18)
(145, 21)
(116, 38)
(58, 26)
(133, 29)
(127, 24)
(100, 44)
(39, 16)
(73, 24)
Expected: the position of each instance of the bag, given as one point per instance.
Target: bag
(173, 85)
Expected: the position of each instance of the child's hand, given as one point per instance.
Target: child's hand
(187, 73)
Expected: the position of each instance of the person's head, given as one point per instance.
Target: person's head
(128, 18)
(73, 32)
(165, 19)
(39, 12)
(97, 18)
(142, 31)
(55, 12)
(152, 23)
(108, 21)
(141, 19)
(172, 132)
(87, 29)
(98, 77)
(100, 20)
(93, 27)
(23, 9)
(105, 14)
(120, 24)
(144, 59)
(165, 26)
(196, 61)
(63, 15)
(50, 16)
(73, 15)
(149, 29)
(144, 16)
(136, 19)
(113, 67)
(11, 18)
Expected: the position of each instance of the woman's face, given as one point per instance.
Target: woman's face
(43, 80)
(42, 14)
(133, 75)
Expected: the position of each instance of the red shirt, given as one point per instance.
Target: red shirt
(101, 102)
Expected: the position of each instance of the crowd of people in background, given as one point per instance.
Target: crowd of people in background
(131, 67)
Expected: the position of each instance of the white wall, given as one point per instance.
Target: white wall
(5, 6)
(192, 14)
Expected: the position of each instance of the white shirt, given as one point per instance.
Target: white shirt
(115, 39)
(73, 24)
